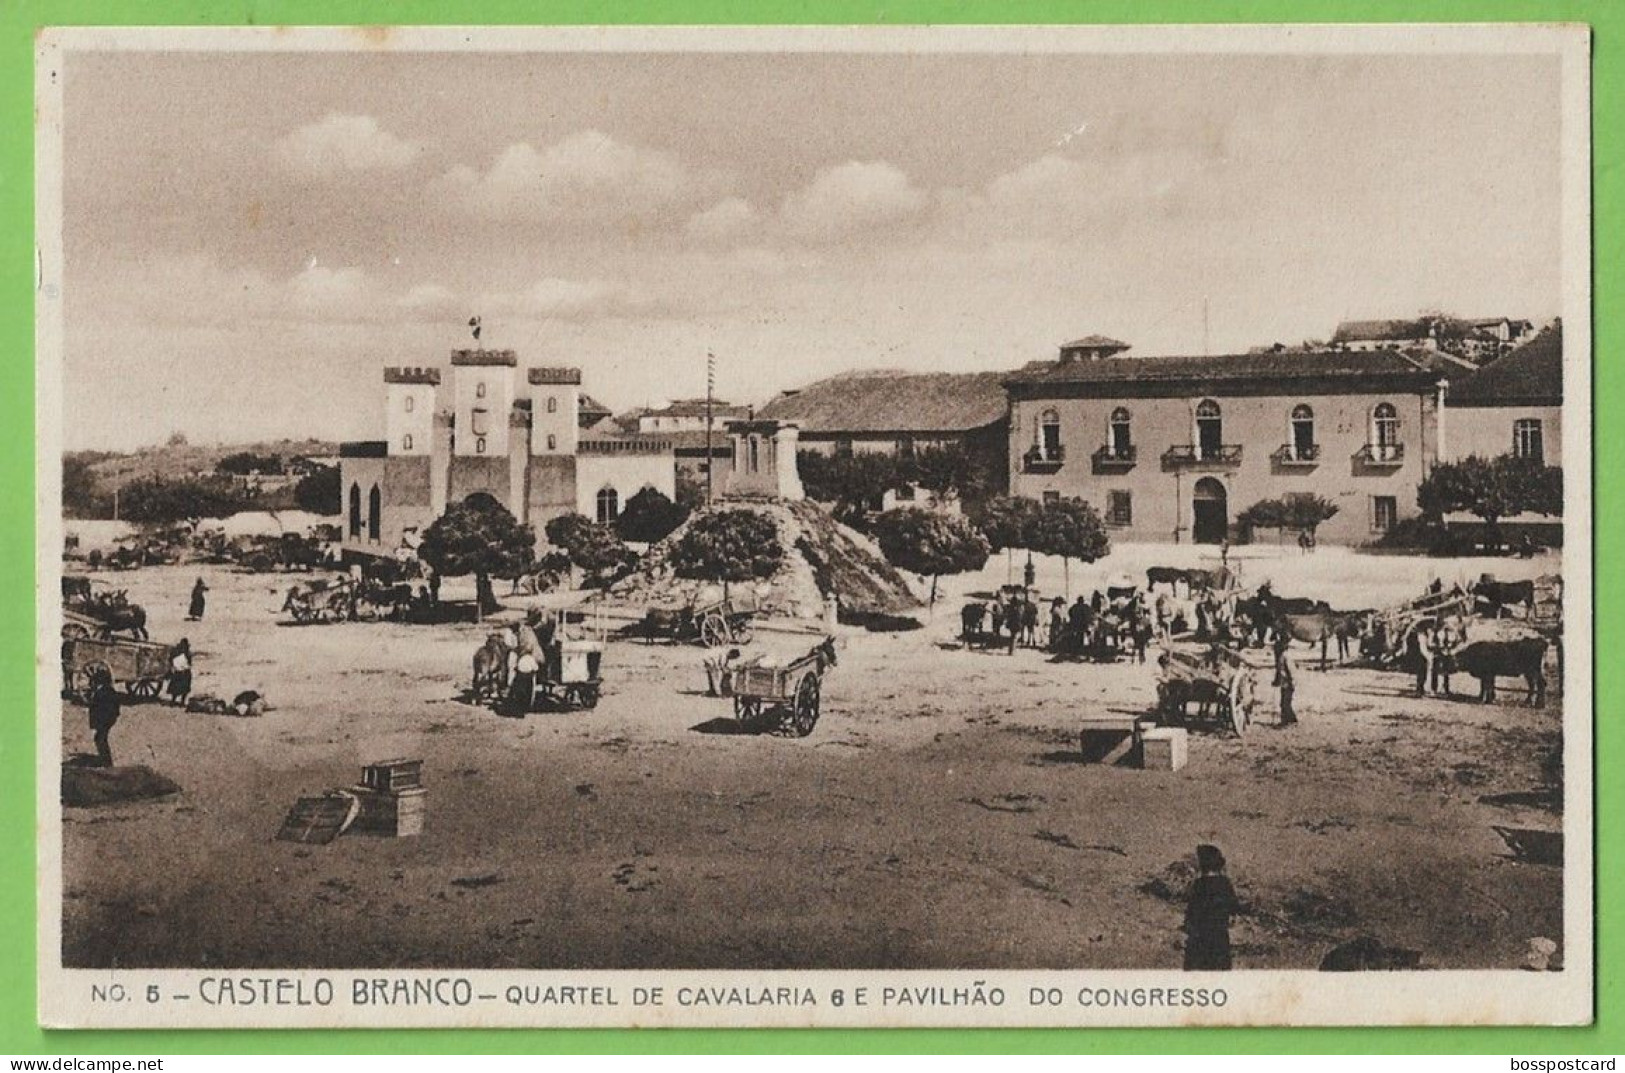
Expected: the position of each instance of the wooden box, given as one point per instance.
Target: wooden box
(393, 815)
(389, 776)
(1110, 739)
(1163, 749)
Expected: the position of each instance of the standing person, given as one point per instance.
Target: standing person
(996, 613)
(1012, 620)
(104, 712)
(1142, 633)
(434, 586)
(523, 690)
(1029, 621)
(1057, 623)
(1444, 646)
(180, 672)
(194, 610)
(1288, 686)
(1422, 640)
(1029, 573)
(1207, 914)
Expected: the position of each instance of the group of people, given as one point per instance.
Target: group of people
(1431, 645)
(1093, 626)
(526, 651)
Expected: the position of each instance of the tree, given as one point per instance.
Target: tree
(82, 495)
(856, 482)
(1491, 489)
(1008, 523)
(478, 536)
(1305, 513)
(164, 501)
(1071, 529)
(649, 517)
(320, 492)
(244, 463)
(930, 543)
(592, 547)
(728, 545)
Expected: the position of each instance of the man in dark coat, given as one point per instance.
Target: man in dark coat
(104, 712)
(1207, 914)
(1288, 686)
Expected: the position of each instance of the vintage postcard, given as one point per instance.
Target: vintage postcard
(814, 527)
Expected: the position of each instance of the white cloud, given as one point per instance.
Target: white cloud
(852, 198)
(586, 179)
(340, 145)
(727, 219)
(431, 301)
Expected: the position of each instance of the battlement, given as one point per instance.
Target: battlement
(624, 447)
(411, 374)
(509, 358)
(553, 375)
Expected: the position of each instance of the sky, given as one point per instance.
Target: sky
(250, 238)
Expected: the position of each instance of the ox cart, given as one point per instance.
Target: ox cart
(727, 621)
(791, 692)
(321, 600)
(1388, 635)
(1222, 684)
(138, 667)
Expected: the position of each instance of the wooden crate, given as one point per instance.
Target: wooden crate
(391, 776)
(392, 815)
(1163, 749)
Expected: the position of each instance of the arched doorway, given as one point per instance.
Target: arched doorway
(1210, 512)
(355, 511)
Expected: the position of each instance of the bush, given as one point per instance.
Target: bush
(649, 517)
(593, 548)
(1303, 513)
(320, 492)
(157, 499)
(728, 545)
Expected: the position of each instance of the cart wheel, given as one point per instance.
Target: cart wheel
(73, 631)
(302, 613)
(145, 688)
(804, 715)
(713, 631)
(746, 708)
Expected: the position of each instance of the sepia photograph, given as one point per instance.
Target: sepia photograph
(815, 527)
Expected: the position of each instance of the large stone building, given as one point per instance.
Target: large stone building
(1173, 448)
(512, 433)
(1512, 406)
(896, 412)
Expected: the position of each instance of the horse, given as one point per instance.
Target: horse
(490, 669)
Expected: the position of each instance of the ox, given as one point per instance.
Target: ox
(1489, 660)
(1501, 595)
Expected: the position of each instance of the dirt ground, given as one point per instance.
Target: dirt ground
(938, 816)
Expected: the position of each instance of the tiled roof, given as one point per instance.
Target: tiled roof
(1095, 342)
(696, 408)
(1531, 375)
(893, 402)
(1268, 367)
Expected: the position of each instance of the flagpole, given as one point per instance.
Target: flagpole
(710, 387)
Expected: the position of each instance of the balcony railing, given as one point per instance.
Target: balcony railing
(1043, 459)
(1109, 457)
(1194, 455)
(1293, 454)
(1383, 454)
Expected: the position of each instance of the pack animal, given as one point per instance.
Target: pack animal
(1322, 627)
(490, 669)
(1489, 660)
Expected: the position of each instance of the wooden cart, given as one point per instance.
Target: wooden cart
(138, 667)
(727, 621)
(792, 692)
(1388, 635)
(321, 600)
(1219, 681)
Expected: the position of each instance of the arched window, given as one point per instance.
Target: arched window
(552, 404)
(481, 420)
(1384, 432)
(479, 390)
(1302, 444)
(375, 513)
(1209, 429)
(609, 504)
(1119, 438)
(479, 445)
(1049, 435)
(406, 442)
(355, 510)
(411, 403)
(552, 442)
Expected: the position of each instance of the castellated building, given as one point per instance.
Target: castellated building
(513, 433)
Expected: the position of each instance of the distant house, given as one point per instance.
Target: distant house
(1479, 340)
(689, 415)
(895, 412)
(1512, 406)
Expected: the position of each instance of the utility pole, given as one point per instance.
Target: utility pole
(710, 391)
(1206, 350)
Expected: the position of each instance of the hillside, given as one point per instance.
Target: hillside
(184, 460)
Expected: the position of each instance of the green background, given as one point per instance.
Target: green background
(18, 22)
